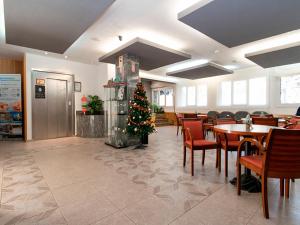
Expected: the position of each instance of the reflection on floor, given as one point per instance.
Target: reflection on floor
(83, 181)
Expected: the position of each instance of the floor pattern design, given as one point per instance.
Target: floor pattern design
(83, 181)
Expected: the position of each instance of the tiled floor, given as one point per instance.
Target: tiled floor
(83, 181)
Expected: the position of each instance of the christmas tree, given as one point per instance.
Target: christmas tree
(139, 116)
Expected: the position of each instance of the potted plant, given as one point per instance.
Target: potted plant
(95, 105)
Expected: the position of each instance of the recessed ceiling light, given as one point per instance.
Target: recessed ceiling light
(46, 53)
(217, 51)
(186, 65)
(231, 67)
(66, 56)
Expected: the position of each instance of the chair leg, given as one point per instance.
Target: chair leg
(220, 159)
(192, 162)
(203, 156)
(265, 196)
(184, 156)
(177, 129)
(281, 187)
(226, 163)
(217, 158)
(238, 178)
(287, 188)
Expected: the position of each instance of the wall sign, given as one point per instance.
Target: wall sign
(77, 86)
(40, 91)
(40, 81)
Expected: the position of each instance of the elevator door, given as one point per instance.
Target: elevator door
(53, 113)
(57, 108)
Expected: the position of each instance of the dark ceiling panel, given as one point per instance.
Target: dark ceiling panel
(151, 55)
(276, 57)
(201, 71)
(237, 22)
(50, 25)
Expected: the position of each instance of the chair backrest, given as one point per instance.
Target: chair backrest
(282, 157)
(240, 114)
(298, 112)
(230, 137)
(265, 121)
(293, 127)
(212, 115)
(190, 115)
(226, 114)
(196, 128)
(179, 116)
(259, 113)
(225, 121)
(295, 120)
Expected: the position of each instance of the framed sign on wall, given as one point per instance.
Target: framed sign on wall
(77, 86)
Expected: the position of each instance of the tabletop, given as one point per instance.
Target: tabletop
(243, 129)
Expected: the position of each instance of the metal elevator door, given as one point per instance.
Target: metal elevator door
(57, 108)
(52, 113)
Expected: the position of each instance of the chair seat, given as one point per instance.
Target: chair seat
(253, 162)
(232, 145)
(202, 144)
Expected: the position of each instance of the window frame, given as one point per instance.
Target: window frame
(165, 97)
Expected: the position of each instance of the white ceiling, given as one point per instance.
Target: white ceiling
(156, 21)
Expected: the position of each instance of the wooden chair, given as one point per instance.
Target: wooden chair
(279, 159)
(211, 118)
(190, 115)
(265, 121)
(179, 116)
(226, 115)
(227, 142)
(194, 139)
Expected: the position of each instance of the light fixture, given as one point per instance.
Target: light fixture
(280, 40)
(149, 35)
(66, 56)
(158, 77)
(184, 4)
(46, 53)
(186, 65)
(231, 67)
(217, 51)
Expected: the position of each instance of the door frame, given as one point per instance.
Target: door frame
(44, 74)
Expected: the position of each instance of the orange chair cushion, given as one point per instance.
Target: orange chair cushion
(202, 144)
(253, 162)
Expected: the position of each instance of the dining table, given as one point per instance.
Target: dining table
(248, 182)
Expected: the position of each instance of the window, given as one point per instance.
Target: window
(290, 89)
(183, 96)
(225, 94)
(162, 98)
(258, 91)
(240, 92)
(191, 95)
(202, 95)
(169, 97)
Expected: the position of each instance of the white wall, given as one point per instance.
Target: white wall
(273, 94)
(92, 78)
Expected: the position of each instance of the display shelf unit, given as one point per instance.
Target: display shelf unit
(116, 114)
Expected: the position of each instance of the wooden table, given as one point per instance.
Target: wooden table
(248, 182)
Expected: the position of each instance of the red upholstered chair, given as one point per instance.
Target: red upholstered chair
(194, 139)
(279, 159)
(228, 142)
(269, 121)
(179, 116)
